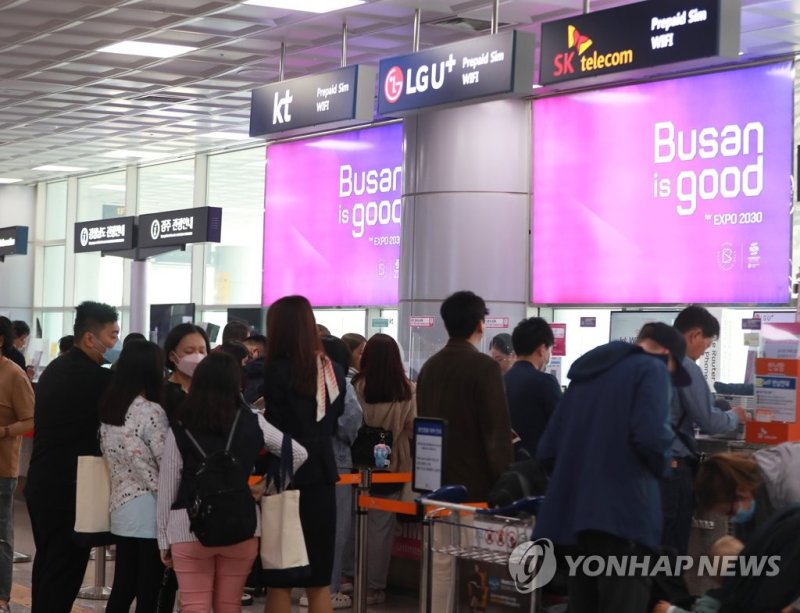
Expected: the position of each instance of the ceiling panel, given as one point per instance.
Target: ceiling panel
(51, 73)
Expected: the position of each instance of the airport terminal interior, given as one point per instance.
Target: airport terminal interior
(597, 163)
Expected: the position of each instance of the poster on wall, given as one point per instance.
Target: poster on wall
(668, 192)
(332, 218)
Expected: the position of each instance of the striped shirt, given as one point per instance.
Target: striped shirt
(173, 524)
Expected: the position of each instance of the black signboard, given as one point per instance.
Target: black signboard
(488, 67)
(104, 235)
(751, 324)
(178, 228)
(13, 241)
(588, 322)
(640, 35)
(343, 97)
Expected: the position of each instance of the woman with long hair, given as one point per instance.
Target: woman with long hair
(210, 577)
(355, 343)
(132, 432)
(389, 401)
(304, 396)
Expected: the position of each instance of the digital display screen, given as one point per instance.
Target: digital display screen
(332, 218)
(668, 192)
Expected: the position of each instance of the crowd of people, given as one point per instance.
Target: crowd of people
(624, 473)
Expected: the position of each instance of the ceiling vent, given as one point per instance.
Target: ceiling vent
(465, 24)
(164, 98)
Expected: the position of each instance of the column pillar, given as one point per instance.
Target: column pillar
(466, 216)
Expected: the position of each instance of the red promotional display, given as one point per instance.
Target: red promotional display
(776, 402)
(560, 340)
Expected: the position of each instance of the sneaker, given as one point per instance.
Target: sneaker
(346, 585)
(376, 597)
(247, 600)
(341, 601)
(303, 602)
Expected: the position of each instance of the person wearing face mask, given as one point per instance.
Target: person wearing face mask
(67, 419)
(185, 347)
(532, 393)
(749, 489)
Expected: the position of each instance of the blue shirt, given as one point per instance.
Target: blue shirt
(136, 518)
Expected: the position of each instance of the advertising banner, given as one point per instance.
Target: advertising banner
(668, 192)
(338, 96)
(639, 35)
(332, 218)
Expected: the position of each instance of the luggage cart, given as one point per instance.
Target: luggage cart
(480, 542)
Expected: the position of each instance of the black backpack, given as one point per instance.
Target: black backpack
(221, 510)
(522, 479)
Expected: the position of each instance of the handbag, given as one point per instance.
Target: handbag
(283, 547)
(92, 495)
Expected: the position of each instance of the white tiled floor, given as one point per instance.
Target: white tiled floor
(20, 594)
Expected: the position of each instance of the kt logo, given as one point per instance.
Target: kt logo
(280, 109)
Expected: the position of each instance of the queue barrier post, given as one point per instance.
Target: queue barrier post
(360, 580)
(99, 590)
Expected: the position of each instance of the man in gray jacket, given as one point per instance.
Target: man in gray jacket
(693, 405)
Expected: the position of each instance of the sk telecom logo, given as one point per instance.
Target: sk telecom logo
(575, 40)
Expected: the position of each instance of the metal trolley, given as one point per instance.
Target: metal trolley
(480, 542)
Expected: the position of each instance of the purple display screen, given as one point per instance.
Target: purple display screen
(668, 192)
(332, 218)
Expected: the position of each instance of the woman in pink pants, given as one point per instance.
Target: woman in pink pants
(210, 577)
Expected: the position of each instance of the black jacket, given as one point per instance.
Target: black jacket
(532, 398)
(66, 421)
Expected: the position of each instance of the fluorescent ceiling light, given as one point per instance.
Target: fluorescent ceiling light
(58, 168)
(130, 153)
(341, 145)
(137, 47)
(309, 6)
(108, 187)
(5, 180)
(537, 86)
(225, 135)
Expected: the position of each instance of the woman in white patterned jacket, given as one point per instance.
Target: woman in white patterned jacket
(132, 433)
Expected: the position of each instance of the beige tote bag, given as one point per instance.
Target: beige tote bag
(282, 542)
(92, 495)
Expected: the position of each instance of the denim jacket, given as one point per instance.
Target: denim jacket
(347, 428)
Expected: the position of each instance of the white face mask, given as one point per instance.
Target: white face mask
(188, 363)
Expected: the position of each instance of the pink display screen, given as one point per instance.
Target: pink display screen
(668, 192)
(332, 218)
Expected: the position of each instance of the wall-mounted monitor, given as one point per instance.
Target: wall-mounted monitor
(625, 325)
(164, 317)
(255, 318)
(332, 218)
(668, 192)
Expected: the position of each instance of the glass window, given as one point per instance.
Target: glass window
(167, 187)
(53, 291)
(97, 277)
(101, 196)
(341, 321)
(392, 315)
(55, 211)
(233, 267)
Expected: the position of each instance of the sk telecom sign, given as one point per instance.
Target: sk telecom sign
(640, 35)
(496, 66)
(13, 241)
(344, 96)
(178, 228)
(104, 235)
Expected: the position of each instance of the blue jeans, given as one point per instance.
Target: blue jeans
(7, 487)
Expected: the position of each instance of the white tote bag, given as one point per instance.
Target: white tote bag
(282, 543)
(92, 495)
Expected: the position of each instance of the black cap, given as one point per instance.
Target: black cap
(671, 340)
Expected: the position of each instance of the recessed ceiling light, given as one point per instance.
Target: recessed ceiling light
(309, 6)
(58, 168)
(225, 135)
(130, 153)
(4, 180)
(137, 47)
(108, 187)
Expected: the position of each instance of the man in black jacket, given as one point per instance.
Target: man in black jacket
(532, 394)
(66, 422)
